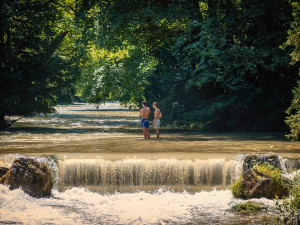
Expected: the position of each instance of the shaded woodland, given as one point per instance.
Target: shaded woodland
(215, 65)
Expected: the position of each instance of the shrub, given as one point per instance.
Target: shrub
(289, 207)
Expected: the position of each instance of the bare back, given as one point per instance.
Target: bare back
(145, 112)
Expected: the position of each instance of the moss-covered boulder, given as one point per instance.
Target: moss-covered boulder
(33, 177)
(263, 180)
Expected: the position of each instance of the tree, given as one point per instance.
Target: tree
(35, 70)
(214, 64)
(228, 71)
(293, 120)
(210, 64)
(138, 30)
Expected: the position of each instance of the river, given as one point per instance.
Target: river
(107, 174)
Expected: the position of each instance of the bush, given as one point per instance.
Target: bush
(289, 207)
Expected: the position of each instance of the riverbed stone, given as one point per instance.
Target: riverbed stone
(30, 175)
(252, 159)
(258, 185)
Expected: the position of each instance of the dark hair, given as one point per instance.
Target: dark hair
(144, 103)
(155, 103)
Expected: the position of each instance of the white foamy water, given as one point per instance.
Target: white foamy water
(80, 206)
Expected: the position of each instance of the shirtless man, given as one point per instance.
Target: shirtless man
(157, 116)
(145, 112)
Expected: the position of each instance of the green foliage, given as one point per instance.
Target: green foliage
(118, 78)
(210, 65)
(236, 187)
(271, 172)
(289, 207)
(248, 206)
(227, 77)
(293, 120)
(293, 34)
(39, 59)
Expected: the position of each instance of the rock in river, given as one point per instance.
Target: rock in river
(33, 177)
(257, 185)
(252, 159)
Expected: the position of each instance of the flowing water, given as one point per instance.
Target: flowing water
(107, 174)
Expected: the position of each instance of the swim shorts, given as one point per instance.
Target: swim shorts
(145, 123)
(157, 124)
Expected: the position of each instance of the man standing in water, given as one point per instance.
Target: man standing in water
(157, 116)
(145, 112)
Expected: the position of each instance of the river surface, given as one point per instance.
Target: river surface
(107, 174)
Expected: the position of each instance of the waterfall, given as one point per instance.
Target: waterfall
(291, 164)
(146, 174)
(117, 173)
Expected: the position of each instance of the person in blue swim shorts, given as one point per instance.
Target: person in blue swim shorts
(145, 112)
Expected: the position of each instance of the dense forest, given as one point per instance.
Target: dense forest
(216, 65)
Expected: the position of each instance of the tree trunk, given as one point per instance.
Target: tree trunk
(55, 44)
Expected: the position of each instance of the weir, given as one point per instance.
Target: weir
(194, 172)
(110, 172)
(148, 173)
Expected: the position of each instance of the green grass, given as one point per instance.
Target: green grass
(248, 207)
